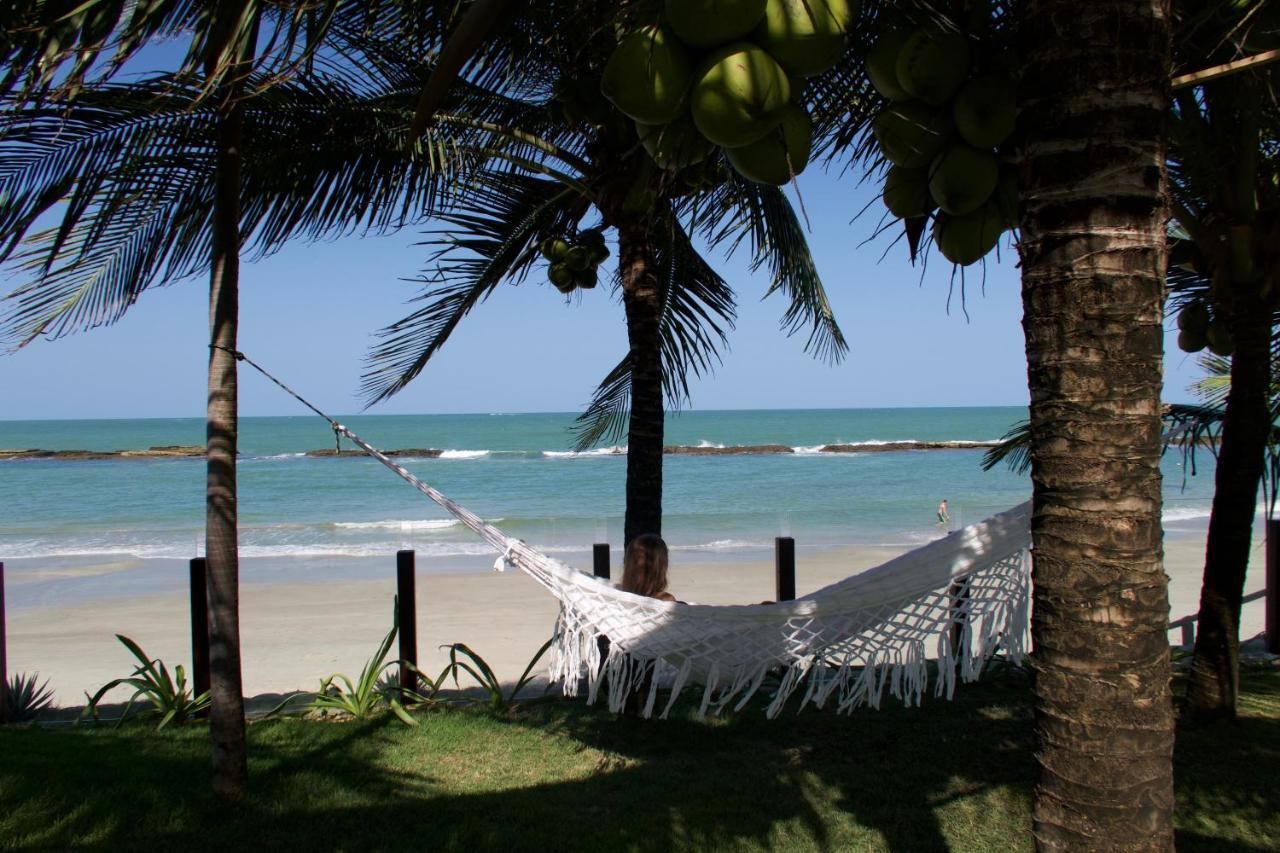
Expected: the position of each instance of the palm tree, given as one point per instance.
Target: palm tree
(677, 308)
(153, 196)
(1093, 256)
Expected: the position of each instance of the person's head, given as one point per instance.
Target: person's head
(644, 568)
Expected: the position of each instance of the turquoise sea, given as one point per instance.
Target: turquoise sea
(518, 471)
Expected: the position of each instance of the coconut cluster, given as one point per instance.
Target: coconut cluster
(942, 131)
(1200, 323)
(727, 74)
(576, 263)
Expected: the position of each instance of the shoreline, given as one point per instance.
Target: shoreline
(296, 630)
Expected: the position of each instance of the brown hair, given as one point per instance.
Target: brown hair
(644, 568)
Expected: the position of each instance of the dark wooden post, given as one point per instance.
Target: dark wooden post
(600, 560)
(1273, 586)
(4, 659)
(407, 618)
(959, 593)
(784, 566)
(199, 628)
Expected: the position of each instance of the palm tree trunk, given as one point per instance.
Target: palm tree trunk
(643, 304)
(1215, 678)
(1093, 102)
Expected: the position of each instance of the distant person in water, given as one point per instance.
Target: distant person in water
(944, 517)
(644, 567)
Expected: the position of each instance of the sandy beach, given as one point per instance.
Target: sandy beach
(296, 633)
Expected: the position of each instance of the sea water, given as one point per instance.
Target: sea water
(520, 472)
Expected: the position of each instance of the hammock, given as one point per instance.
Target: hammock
(964, 596)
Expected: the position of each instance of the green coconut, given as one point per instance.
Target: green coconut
(906, 192)
(882, 65)
(739, 94)
(932, 64)
(1194, 316)
(805, 36)
(965, 239)
(675, 145)
(711, 23)
(647, 76)
(586, 278)
(911, 134)
(780, 153)
(561, 276)
(1192, 340)
(553, 249)
(962, 178)
(984, 111)
(1218, 336)
(1006, 195)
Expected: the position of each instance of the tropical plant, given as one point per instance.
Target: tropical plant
(168, 695)
(463, 659)
(27, 698)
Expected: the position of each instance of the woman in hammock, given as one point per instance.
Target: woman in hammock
(644, 567)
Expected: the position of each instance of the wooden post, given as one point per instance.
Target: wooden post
(407, 618)
(199, 629)
(4, 660)
(1273, 586)
(784, 565)
(959, 593)
(600, 560)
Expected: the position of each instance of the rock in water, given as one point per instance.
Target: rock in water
(780, 153)
(984, 111)
(711, 23)
(738, 96)
(966, 239)
(882, 65)
(647, 76)
(674, 146)
(805, 36)
(932, 64)
(906, 192)
(962, 178)
(911, 133)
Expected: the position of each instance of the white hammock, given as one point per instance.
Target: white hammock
(846, 642)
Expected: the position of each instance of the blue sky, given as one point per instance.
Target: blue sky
(308, 314)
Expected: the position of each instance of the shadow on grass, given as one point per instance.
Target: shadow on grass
(950, 775)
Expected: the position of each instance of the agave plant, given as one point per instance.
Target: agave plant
(169, 696)
(479, 669)
(28, 697)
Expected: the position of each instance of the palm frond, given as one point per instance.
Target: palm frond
(1014, 449)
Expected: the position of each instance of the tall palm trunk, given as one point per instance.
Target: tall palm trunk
(643, 304)
(226, 713)
(1093, 101)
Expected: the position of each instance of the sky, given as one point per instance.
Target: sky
(309, 313)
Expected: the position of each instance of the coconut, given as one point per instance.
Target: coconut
(932, 64)
(906, 192)
(647, 76)
(561, 276)
(675, 145)
(553, 248)
(586, 278)
(1194, 316)
(911, 134)
(966, 239)
(711, 23)
(984, 111)
(805, 36)
(882, 65)
(578, 258)
(962, 178)
(738, 96)
(780, 153)
(1192, 340)
(1219, 338)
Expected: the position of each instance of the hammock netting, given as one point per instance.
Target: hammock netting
(953, 603)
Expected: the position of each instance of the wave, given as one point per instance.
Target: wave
(616, 450)
(705, 443)
(463, 454)
(393, 524)
(812, 450)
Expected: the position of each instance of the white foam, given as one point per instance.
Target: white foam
(808, 451)
(394, 524)
(724, 545)
(705, 443)
(617, 450)
(463, 454)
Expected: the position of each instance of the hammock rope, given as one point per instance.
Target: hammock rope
(962, 597)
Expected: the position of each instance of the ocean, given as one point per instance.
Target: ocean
(516, 470)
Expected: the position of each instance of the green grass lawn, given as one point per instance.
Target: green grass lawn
(560, 776)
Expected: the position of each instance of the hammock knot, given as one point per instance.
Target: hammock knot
(504, 562)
